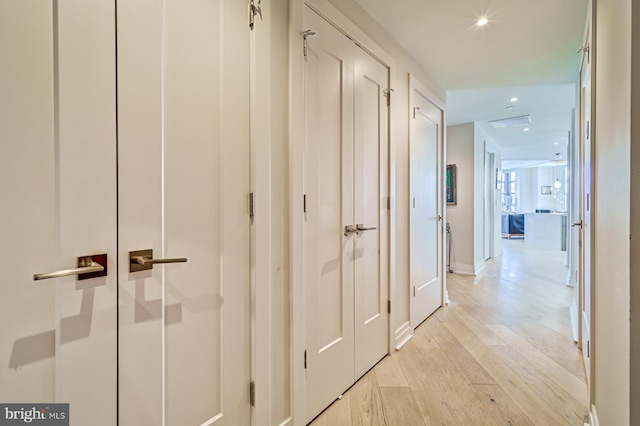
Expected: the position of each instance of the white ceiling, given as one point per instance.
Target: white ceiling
(529, 49)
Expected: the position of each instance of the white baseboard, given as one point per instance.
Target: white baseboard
(573, 318)
(287, 422)
(463, 269)
(593, 416)
(480, 266)
(403, 334)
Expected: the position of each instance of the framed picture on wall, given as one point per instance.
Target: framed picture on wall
(452, 193)
(545, 190)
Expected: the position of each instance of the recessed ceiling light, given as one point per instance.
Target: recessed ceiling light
(556, 143)
(514, 99)
(482, 21)
(526, 129)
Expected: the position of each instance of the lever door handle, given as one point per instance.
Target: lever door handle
(86, 265)
(349, 229)
(578, 224)
(360, 227)
(142, 260)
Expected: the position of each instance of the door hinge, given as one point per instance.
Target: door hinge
(254, 9)
(252, 394)
(389, 306)
(388, 203)
(414, 291)
(252, 207)
(305, 35)
(304, 203)
(588, 354)
(305, 359)
(387, 94)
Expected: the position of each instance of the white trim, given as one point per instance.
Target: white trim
(296, 255)
(403, 334)
(593, 416)
(287, 422)
(463, 269)
(261, 230)
(479, 266)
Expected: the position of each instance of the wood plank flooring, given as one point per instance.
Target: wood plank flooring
(500, 353)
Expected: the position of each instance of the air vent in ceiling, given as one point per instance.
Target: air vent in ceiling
(513, 121)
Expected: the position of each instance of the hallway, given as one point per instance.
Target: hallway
(500, 353)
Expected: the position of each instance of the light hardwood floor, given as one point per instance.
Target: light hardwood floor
(500, 353)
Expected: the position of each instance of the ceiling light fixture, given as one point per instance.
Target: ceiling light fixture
(482, 21)
(556, 143)
(526, 129)
(514, 99)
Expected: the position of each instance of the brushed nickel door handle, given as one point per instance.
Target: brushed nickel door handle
(142, 260)
(86, 265)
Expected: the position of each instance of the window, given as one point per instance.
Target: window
(508, 196)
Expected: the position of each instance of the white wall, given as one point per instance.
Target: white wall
(525, 190)
(611, 213)
(460, 151)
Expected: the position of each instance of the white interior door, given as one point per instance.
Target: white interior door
(370, 212)
(58, 183)
(329, 253)
(425, 213)
(183, 108)
(345, 219)
(584, 278)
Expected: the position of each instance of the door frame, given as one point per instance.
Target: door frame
(489, 204)
(296, 174)
(589, 38)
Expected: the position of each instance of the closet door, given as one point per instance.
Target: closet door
(371, 283)
(183, 118)
(426, 207)
(329, 254)
(58, 183)
(345, 219)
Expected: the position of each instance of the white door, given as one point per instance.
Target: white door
(345, 216)
(370, 212)
(425, 213)
(58, 183)
(584, 279)
(328, 183)
(183, 152)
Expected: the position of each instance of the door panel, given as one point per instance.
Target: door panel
(371, 283)
(58, 180)
(184, 185)
(426, 228)
(329, 254)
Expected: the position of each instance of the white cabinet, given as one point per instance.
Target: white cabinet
(545, 231)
